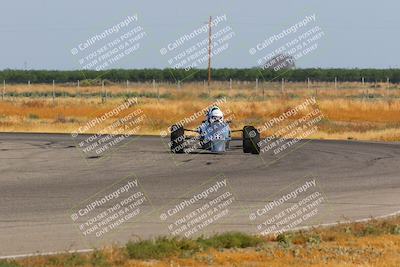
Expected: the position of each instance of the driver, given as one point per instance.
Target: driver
(208, 132)
(216, 115)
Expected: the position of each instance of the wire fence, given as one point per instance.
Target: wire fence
(105, 89)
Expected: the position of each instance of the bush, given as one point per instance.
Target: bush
(90, 82)
(230, 240)
(284, 240)
(371, 230)
(7, 263)
(240, 95)
(204, 96)
(221, 96)
(74, 259)
(99, 259)
(314, 240)
(395, 230)
(153, 249)
(33, 116)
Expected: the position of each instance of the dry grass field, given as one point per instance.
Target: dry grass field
(372, 243)
(351, 110)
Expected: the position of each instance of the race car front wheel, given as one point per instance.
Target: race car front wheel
(251, 139)
(177, 139)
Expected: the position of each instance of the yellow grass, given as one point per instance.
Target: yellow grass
(381, 251)
(374, 243)
(347, 115)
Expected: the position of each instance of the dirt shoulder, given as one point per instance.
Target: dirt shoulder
(372, 243)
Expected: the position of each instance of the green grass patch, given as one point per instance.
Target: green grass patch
(166, 247)
(203, 96)
(159, 248)
(33, 116)
(8, 263)
(230, 240)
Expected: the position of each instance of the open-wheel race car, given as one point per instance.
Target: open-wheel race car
(213, 135)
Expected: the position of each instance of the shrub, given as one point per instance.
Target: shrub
(7, 263)
(33, 116)
(166, 247)
(284, 240)
(153, 249)
(230, 240)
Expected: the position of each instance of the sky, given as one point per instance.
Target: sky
(41, 34)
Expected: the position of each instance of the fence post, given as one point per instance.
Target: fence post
(316, 91)
(230, 84)
(78, 93)
(54, 93)
(105, 91)
(335, 82)
(363, 86)
(4, 90)
(102, 91)
(29, 83)
(387, 86)
(263, 91)
(256, 85)
(308, 83)
(282, 86)
(158, 89)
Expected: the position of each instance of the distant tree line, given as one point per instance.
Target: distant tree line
(223, 74)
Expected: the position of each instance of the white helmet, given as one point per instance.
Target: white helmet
(216, 116)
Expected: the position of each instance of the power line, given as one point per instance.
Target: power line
(209, 52)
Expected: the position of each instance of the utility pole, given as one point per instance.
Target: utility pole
(209, 52)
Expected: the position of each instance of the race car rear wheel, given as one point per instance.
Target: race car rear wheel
(177, 139)
(251, 138)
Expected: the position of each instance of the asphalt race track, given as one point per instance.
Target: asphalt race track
(43, 177)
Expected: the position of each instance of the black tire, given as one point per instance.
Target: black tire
(246, 139)
(251, 138)
(177, 139)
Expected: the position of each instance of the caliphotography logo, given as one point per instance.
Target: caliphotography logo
(171, 133)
